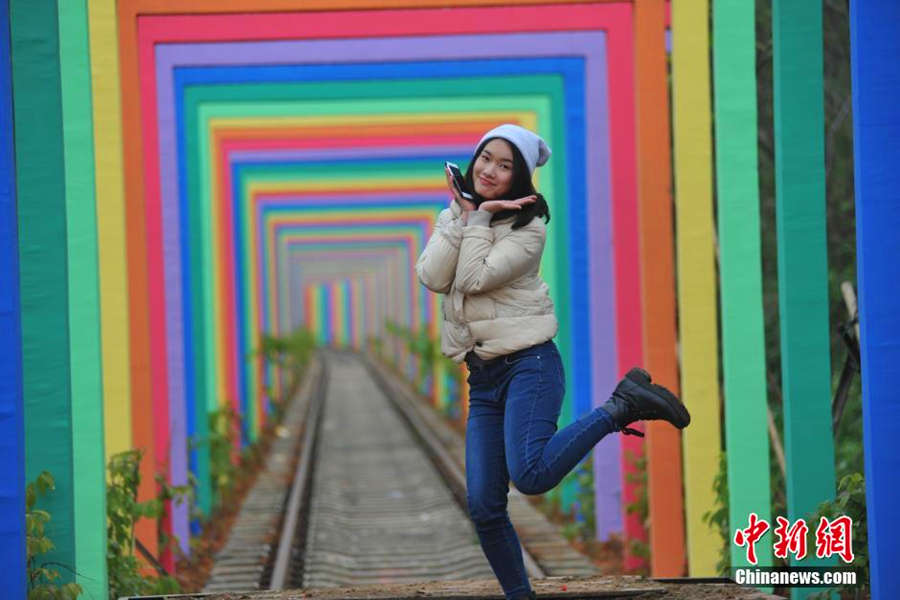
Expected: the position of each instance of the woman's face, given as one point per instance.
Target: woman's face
(493, 170)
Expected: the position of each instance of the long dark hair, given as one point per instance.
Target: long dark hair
(521, 186)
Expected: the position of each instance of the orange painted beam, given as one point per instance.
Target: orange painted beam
(136, 257)
(667, 539)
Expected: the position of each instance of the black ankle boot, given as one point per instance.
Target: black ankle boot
(531, 596)
(636, 399)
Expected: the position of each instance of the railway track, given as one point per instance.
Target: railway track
(377, 495)
(377, 510)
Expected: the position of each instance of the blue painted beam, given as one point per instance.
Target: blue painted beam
(874, 48)
(12, 419)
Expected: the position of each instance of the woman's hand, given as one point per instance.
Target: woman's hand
(493, 206)
(465, 204)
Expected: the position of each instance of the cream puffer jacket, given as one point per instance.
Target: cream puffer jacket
(495, 302)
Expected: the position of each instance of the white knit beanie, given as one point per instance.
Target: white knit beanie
(534, 149)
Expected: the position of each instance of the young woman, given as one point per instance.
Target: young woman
(498, 317)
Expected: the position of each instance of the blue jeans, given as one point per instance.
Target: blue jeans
(514, 402)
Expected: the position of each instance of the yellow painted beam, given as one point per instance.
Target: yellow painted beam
(695, 252)
(110, 206)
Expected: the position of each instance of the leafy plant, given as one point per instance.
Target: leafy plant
(123, 510)
(640, 506)
(584, 525)
(717, 517)
(375, 345)
(169, 494)
(42, 577)
(418, 344)
(223, 425)
(850, 501)
(290, 354)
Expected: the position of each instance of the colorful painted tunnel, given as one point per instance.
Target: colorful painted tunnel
(178, 179)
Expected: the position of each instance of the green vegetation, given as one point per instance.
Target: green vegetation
(423, 346)
(850, 501)
(127, 575)
(584, 525)
(640, 506)
(431, 361)
(290, 355)
(43, 578)
(224, 423)
(717, 517)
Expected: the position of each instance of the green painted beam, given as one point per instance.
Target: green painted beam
(84, 309)
(740, 271)
(43, 266)
(802, 255)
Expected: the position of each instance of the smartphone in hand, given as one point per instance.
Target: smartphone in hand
(459, 182)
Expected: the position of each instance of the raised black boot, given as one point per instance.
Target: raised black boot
(636, 399)
(531, 596)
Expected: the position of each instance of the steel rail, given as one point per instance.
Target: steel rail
(293, 510)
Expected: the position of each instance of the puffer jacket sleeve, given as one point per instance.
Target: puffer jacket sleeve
(484, 265)
(436, 266)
